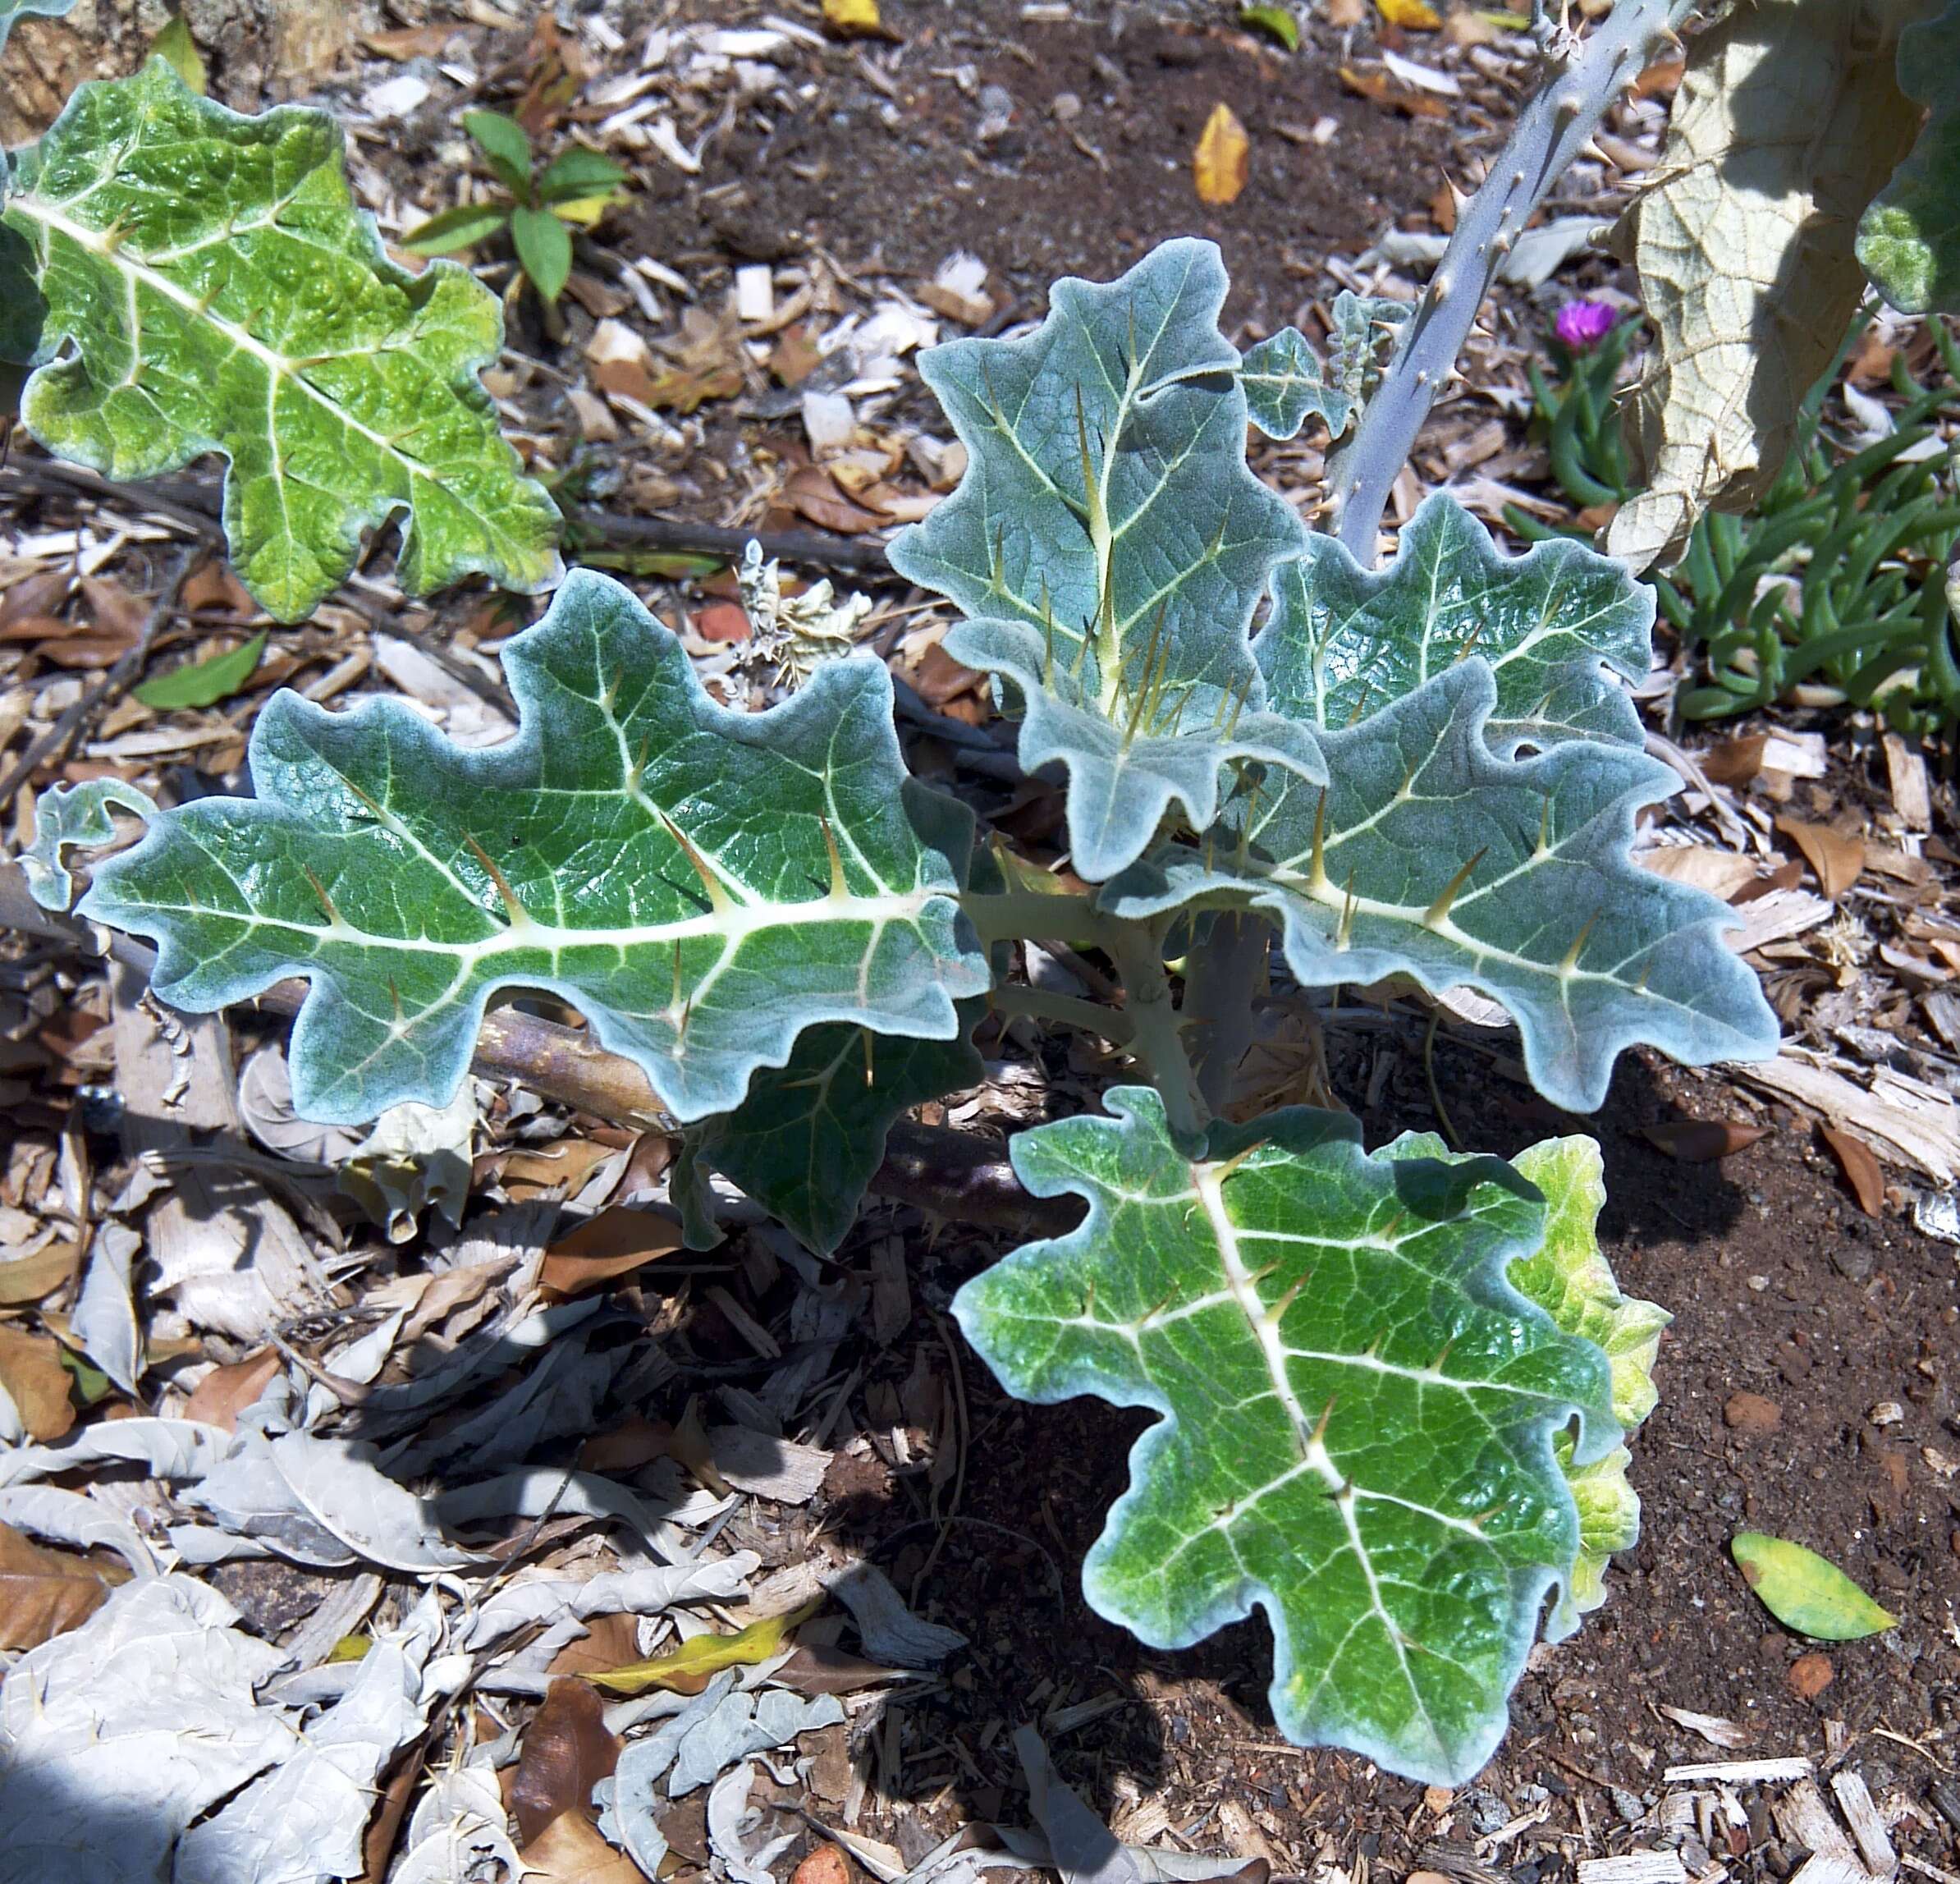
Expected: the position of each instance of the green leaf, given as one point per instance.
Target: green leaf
(1558, 626)
(702, 884)
(461, 227)
(204, 683)
(544, 247)
(1277, 22)
(1110, 545)
(1285, 383)
(217, 292)
(1359, 1411)
(1609, 1509)
(1909, 239)
(13, 10)
(175, 45)
(1429, 856)
(23, 311)
(74, 817)
(505, 142)
(576, 172)
(1805, 1592)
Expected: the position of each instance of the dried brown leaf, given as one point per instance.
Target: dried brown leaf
(30, 1279)
(812, 493)
(31, 1371)
(1837, 859)
(570, 1850)
(613, 1243)
(1724, 873)
(1702, 1141)
(1861, 1169)
(45, 1592)
(566, 1751)
(225, 1392)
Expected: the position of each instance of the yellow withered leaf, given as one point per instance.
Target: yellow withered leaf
(1219, 164)
(852, 16)
(1411, 16)
(686, 1669)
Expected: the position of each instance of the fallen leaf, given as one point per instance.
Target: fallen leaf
(1702, 1141)
(1860, 1167)
(1837, 860)
(611, 1244)
(570, 1850)
(852, 19)
(1805, 1592)
(1412, 15)
(566, 1751)
(724, 622)
(684, 388)
(939, 680)
(563, 1166)
(412, 42)
(1810, 1674)
(45, 1592)
(31, 1371)
(1277, 23)
(686, 1670)
(204, 683)
(812, 493)
(30, 1279)
(608, 1641)
(636, 1441)
(1381, 89)
(1219, 164)
(215, 590)
(1722, 873)
(225, 1392)
(816, 1669)
(825, 1865)
(1734, 761)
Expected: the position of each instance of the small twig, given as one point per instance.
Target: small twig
(591, 530)
(193, 507)
(962, 1429)
(1429, 1073)
(54, 744)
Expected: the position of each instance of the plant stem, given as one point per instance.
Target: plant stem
(1222, 974)
(1137, 948)
(1580, 83)
(1012, 915)
(1108, 1024)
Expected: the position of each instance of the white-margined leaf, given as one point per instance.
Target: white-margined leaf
(1428, 856)
(703, 884)
(13, 10)
(1110, 545)
(217, 291)
(1560, 627)
(1286, 381)
(1359, 1410)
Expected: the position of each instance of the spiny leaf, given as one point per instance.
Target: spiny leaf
(1428, 856)
(1808, 1592)
(204, 683)
(1359, 1410)
(13, 10)
(217, 292)
(1110, 545)
(1909, 239)
(703, 884)
(1285, 383)
(1558, 626)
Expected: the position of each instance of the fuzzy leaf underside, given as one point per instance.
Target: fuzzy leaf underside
(217, 291)
(1559, 626)
(1359, 1411)
(1909, 238)
(1109, 546)
(1589, 953)
(13, 10)
(1286, 383)
(410, 880)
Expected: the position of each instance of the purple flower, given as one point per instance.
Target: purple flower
(1582, 325)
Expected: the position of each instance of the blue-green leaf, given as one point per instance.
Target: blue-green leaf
(1109, 546)
(13, 10)
(73, 817)
(1286, 384)
(703, 884)
(1359, 1410)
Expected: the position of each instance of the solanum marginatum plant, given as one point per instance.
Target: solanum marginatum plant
(1394, 1385)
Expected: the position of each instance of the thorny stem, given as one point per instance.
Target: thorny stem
(1221, 979)
(1581, 81)
(1108, 1024)
(1012, 915)
(1137, 949)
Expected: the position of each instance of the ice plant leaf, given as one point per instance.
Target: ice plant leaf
(1429, 856)
(1909, 238)
(13, 10)
(1808, 1593)
(1286, 384)
(217, 292)
(1560, 627)
(702, 884)
(1359, 1410)
(1109, 546)
(808, 1137)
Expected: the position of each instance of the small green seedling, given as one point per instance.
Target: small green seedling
(574, 190)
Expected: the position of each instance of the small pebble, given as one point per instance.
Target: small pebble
(1751, 1413)
(1810, 1674)
(1887, 1412)
(1067, 108)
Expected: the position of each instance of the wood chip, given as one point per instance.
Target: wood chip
(1911, 791)
(1712, 1728)
(1634, 1867)
(1743, 1772)
(1855, 1801)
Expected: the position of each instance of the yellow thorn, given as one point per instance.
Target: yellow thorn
(514, 910)
(1578, 942)
(1345, 929)
(1433, 916)
(1277, 1312)
(319, 889)
(840, 886)
(718, 898)
(1317, 879)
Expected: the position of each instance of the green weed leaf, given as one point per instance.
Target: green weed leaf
(204, 683)
(1110, 545)
(703, 884)
(217, 292)
(1429, 856)
(175, 45)
(504, 144)
(1359, 1411)
(13, 10)
(1909, 239)
(544, 247)
(1805, 1592)
(576, 174)
(462, 227)
(1559, 628)
(1275, 22)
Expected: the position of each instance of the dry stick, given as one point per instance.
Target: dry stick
(1581, 82)
(55, 742)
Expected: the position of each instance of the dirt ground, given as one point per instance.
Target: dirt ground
(1784, 1291)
